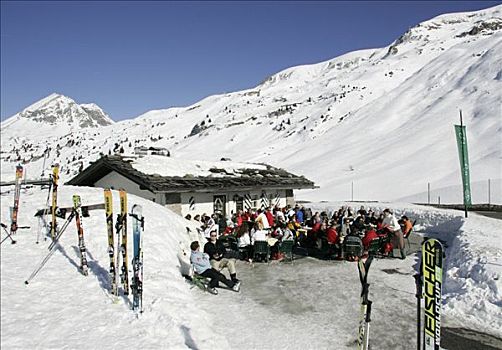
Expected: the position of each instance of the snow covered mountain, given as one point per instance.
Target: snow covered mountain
(28, 135)
(59, 110)
(379, 121)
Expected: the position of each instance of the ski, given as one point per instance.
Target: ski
(77, 206)
(364, 323)
(432, 272)
(55, 178)
(138, 225)
(17, 193)
(111, 249)
(123, 246)
(418, 295)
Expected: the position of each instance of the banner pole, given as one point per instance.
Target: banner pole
(462, 131)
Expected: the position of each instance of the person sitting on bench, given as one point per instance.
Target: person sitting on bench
(202, 266)
(218, 255)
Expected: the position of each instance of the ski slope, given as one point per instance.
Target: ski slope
(310, 304)
(380, 119)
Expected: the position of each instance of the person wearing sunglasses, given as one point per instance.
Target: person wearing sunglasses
(202, 266)
(218, 256)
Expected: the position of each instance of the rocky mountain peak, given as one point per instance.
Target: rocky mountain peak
(56, 108)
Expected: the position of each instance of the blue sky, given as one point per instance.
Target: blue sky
(130, 57)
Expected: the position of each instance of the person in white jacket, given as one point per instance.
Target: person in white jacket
(202, 266)
(390, 223)
(262, 218)
(244, 243)
(258, 234)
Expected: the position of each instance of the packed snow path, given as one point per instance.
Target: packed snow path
(314, 304)
(310, 304)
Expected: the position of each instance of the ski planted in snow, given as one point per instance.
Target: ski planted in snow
(418, 295)
(111, 248)
(77, 207)
(55, 178)
(432, 272)
(364, 323)
(138, 225)
(17, 193)
(123, 245)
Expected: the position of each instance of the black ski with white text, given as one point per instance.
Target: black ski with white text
(432, 274)
(137, 260)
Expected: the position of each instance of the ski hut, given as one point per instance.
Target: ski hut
(195, 187)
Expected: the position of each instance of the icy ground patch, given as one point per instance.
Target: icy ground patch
(472, 289)
(310, 304)
(315, 304)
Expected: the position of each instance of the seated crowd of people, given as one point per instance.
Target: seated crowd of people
(344, 235)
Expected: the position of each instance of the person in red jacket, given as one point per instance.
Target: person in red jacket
(246, 216)
(332, 235)
(333, 241)
(238, 218)
(380, 222)
(368, 237)
(270, 216)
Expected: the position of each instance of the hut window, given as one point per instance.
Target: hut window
(173, 198)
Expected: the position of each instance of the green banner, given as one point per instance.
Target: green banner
(464, 162)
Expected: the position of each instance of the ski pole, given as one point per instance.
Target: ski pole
(364, 326)
(367, 325)
(8, 234)
(46, 212)
(63, 228)
(418, 284)
(52, 249)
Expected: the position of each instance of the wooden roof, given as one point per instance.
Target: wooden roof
(270, 178)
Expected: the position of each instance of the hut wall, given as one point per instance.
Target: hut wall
(194, 203)
(116, 181)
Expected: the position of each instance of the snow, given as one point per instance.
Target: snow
(377, 123)
(315, 303)
(46, 100)
(379, 119)
(54, 115)
(167, 166)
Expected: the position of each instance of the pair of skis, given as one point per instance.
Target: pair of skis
(138, 226)
(77, 208)
(115, 250)
(15, 208)
(429, 283)
(121, 231)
